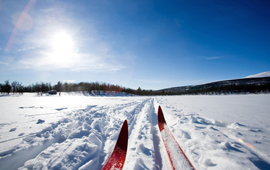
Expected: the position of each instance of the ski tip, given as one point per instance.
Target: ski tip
(122, 141)
(161, 118)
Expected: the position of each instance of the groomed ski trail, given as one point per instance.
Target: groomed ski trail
(85, 138)
(143, 150)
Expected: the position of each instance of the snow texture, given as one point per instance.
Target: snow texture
(79, 131)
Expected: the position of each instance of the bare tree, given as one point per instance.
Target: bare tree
(15, 86)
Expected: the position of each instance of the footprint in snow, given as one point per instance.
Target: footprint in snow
(40, 121)
(255, 130)
(13, 129)
(208, 162)
(142, 149)
(236, 125)
(59, 109)
(21, 134)
(186, 135)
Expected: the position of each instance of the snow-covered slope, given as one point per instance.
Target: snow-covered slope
(257, 81)
(79, 131)
(263, 74)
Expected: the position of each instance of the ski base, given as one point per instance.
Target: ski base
(118, 156)
(178, 158)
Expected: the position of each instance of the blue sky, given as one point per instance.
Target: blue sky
(147, 44)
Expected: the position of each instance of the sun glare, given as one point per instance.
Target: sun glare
(62, 42)
(63, 48)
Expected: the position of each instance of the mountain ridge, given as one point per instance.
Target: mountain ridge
(258, 81)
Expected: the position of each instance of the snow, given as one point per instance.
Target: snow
(263, 74)
(79, 131)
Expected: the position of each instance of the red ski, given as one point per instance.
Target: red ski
(118, 156)
(178, 158)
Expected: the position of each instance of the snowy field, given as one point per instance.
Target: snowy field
(74, 131)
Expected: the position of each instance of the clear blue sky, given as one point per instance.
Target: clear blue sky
(147, 44)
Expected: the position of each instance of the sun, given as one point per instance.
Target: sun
(62, 43)
(62, 51)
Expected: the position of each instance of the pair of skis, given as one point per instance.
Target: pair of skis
(178, 158)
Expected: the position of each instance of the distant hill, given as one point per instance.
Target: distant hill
(236, 85)
(263, 74)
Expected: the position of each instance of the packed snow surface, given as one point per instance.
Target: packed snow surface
(75, 131)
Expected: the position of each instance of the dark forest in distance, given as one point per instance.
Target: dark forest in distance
(237, 86)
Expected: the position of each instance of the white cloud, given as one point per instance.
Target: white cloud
(72, 62)
(3, 63)
(151, 81)
(35, 51)
(212, 58)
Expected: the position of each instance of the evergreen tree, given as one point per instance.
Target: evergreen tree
(6, 87)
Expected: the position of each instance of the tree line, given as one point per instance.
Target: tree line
(16, 87)
(223, 89)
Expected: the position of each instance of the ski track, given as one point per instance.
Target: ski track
(85, 138)
(141, 139)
